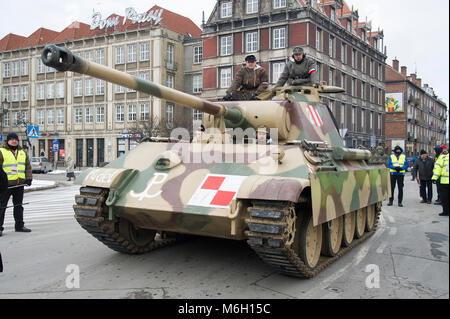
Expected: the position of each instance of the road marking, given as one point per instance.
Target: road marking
(382, 247)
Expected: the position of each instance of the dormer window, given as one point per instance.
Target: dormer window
(333, 14)
(252, 6)
(349, 25)
(226, 9)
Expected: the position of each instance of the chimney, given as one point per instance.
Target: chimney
(425, 86)
(395, 64)
(404, 71)
(419, 82)
(413, 78)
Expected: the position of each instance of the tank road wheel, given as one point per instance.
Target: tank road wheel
(371, 218)
(332, 236)
(349, 229)
(310, 241)
(140, 238)
(361, 216)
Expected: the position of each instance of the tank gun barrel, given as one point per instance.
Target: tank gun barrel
(62, 59)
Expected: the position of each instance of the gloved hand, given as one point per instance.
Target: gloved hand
(398, 169)
(228, 97)
(434, 181)
(28, 182)
(316, 85)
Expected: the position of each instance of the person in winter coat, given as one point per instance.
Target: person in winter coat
(300, 70)
(249, 82)
(70, 168)
(398, 163)
(16, 165)
(423, 167)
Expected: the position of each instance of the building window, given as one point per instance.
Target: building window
(343, 52)
(99, 87)
(119, 89)
(77, 88)
(319, 39)
(88, 88)
(331, 46)
(120, 59)
(15, 94)
(24, 67)
(89, 115)
(198, 55)
(252, 6)
(354, 58)
(15, 68)
(170, 54)
(225, 45)
(333, 14)
(24, 116)
(120, 113)
(353, 86)
(277, 4)
(145, 51)
(50, 117)
(41, 117)
(89, 55)
(100, 114)
(15, 118)
(60, 116)
(60, 90)
(363, 87)
(277, 70)
(40, 91)
(6, 70)
(132, 113)
(226, 9)
(78, 115)
(371, 122)
(197, 83)
(363, 64)
(131, 53)
(279, 38)
(198, 115)
(145, 76)
(331, 78)
(169, 115)
(225, 78)
(100, 56)
(354, 118)
(40, 66)
(343, 82)
(363, 121)
(6, 119)
(145, 112)
(24, 90)
(252, 42)
(50, 91)
(170, 80)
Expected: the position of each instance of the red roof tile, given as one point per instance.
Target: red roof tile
(41, 36)
(11, 42)
(76, 30)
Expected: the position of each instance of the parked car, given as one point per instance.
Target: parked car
(41, 165)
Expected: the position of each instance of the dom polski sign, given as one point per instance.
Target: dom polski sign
(130, 13)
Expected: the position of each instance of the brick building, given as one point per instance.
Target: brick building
(95, 121)
(416, 118)
(347, 52)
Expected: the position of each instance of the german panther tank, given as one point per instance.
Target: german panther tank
(300, 199)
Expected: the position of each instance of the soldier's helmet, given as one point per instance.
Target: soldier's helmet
(298, 50)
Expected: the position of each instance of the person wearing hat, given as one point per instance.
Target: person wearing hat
(299, 70)
(16, 165)
(398, 163)
(440, 171)
(199, 134)
(263, 135)
(423, 167)
(249, 82)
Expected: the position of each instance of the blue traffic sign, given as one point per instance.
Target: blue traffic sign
(33, 131)
(55, 146)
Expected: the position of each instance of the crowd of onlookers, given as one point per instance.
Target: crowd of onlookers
(426, 170)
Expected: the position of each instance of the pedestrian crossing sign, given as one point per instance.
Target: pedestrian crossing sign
(33, 131)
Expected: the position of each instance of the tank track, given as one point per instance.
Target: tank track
(92, 215)
(268, 226)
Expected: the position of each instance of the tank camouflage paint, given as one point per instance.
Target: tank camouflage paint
(306, 182)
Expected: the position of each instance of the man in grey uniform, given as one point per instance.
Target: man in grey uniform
(300, 71)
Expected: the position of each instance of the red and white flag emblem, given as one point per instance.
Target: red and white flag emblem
(217, 191)
(310, 168)
(314, 116)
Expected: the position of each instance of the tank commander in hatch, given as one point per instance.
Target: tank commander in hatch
(249, 82)
(299, 70)
(263, 135)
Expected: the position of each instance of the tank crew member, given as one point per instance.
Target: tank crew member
(250, 81)
(263, 135)
(398, 164)
(16, 164)
(200, 134)
(299, 70)
(441, 172)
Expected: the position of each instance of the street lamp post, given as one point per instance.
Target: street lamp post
(5, 110)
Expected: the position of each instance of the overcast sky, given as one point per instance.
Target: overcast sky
(416, 31)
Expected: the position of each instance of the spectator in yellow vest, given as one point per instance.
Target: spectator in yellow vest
(398, 163)
(441, 172)
(16, 165)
